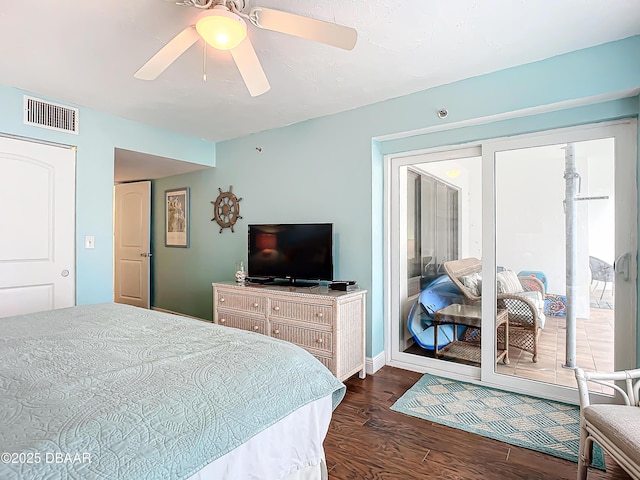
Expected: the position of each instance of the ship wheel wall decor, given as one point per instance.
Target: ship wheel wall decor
(226, 209)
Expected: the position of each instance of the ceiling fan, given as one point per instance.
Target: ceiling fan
(222, 25)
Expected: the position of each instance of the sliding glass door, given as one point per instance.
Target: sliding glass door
(437, 219)
(535, 223)
(565, 209)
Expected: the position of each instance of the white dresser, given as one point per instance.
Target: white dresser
(328, 324)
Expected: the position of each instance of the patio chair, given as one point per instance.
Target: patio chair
(601, 271)
(522, 297)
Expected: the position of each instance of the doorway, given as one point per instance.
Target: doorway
(133, 253)
(512, 217)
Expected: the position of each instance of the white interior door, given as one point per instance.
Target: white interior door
(37, 208)
(132, 254)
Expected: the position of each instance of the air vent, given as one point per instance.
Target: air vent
(41, 113)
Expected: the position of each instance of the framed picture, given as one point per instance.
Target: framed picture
(176, 226)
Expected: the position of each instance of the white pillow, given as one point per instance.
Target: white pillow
(473, 283)
(508, 282)
(536, 297)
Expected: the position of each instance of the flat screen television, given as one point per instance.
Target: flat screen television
(291, 252)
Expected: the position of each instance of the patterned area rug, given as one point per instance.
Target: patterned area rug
(541, 425)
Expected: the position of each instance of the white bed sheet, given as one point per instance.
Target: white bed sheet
(290, 449)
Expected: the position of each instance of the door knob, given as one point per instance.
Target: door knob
(146, 254)
(64, 273)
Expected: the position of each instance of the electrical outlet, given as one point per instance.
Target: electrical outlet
(89, 241)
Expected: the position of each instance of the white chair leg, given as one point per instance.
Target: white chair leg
(585, 454)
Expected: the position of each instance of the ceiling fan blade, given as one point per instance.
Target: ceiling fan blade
(304, 27)
(247, 61)
(168, 54)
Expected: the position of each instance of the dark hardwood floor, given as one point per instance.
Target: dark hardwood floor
(367, 440)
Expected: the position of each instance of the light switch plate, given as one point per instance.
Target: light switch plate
(89, 241)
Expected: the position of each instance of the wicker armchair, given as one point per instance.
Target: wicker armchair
(526, 317)
(615, 427)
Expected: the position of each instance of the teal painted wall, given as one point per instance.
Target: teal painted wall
(330, 169)
(99, 134)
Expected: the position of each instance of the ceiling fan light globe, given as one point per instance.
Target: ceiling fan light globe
(222, 39)
(221, 29)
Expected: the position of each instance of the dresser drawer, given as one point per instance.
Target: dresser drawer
(227, 319)
(329, 325)
(245, 303)
(327, 362)
(305, 312)
(303, 337)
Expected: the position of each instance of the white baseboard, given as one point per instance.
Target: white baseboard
(372, 365)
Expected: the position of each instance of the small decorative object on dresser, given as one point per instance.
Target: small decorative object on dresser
(241, 272)
(329, 325)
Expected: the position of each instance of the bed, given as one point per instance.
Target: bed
(112, 391)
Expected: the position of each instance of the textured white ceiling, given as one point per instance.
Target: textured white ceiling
(86, 52)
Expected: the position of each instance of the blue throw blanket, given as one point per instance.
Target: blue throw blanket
(112, 391)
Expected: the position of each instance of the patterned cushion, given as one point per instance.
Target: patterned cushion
(530, 283)
(555, 305)
(508, 282)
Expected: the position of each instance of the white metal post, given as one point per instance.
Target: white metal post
(571, 178)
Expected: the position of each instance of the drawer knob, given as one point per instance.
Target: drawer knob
(256, 305)
(319, 340)
(277, 332)
(319, 315)
(222, 320)
(256, 327)
(221, 299)
(276, 308)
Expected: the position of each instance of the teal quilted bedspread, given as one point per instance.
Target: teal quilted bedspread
(116, 392)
